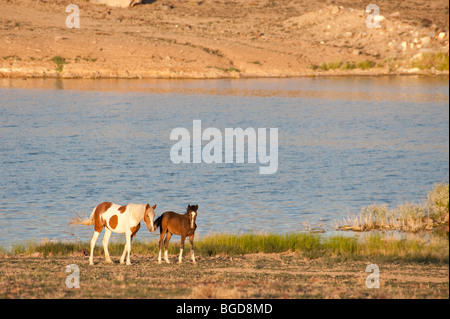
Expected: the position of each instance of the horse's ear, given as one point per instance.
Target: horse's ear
(147, 207)
(196, 207)
(154, 206)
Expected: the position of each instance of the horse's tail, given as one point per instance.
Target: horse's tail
(80, 220)
(158, 222)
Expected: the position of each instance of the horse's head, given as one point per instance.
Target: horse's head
(149, 215)
(192, 213)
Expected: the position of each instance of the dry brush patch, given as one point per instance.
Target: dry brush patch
(409, 217)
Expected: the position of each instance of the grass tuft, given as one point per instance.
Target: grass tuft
(59, 61)
(439, 61)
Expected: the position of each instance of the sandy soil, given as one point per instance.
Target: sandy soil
(216, 38)
(285, 275)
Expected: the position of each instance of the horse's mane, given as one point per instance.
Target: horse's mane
(137, 211)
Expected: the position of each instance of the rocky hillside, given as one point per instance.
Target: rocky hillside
(219, 39)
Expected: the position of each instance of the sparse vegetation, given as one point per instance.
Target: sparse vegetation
(366, 64)
(347, 65)
(230, 69)
(439, 61)
(12, 57)
(282, 275)
(59, 61)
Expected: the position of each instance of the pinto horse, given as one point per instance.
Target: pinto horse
(184, 225)
(118, 219)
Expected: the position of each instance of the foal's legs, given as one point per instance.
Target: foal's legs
(166, 246)
(161, 238)
(181, 248)
(93, 241)
(105, 244)
(191, 240)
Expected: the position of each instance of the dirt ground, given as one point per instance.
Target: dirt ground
(285, 275)
(216, 38)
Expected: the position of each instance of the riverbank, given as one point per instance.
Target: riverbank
(211, 39)
(236, 266)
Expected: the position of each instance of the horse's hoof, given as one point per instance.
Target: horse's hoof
(109, 261)
(128, 263)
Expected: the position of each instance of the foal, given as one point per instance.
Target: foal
(177, 224)
(118, 219)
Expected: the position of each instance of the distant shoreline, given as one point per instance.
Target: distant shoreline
(6, 73)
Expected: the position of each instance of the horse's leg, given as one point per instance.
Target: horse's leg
(105, 244)
(128, 246)
(93, 241)
(191, 240)
(183, 238)
(125, 250)
(166, 246)
(122, 258)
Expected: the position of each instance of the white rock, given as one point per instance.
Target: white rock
(425, 40)
(117, 3)
(335, 9)
(379, 19)
(417, 57)
(413, 70)
(404, 45)
(442, 35)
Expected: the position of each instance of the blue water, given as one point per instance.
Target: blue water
(344, 143)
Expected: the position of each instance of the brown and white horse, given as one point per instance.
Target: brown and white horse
(171, 223)
(118, 219)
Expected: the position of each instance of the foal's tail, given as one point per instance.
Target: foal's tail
(79, 220)
(157, 222)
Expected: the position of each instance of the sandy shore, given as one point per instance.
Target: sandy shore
(219, 39)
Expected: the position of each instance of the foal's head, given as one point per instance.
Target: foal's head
(149, 215)
(192, 214)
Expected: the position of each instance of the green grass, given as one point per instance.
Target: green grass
(231, 69)
(414, 248)
(366, 64)
(348, 65)
(13, 57)
(59, 61)
(439, 61)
